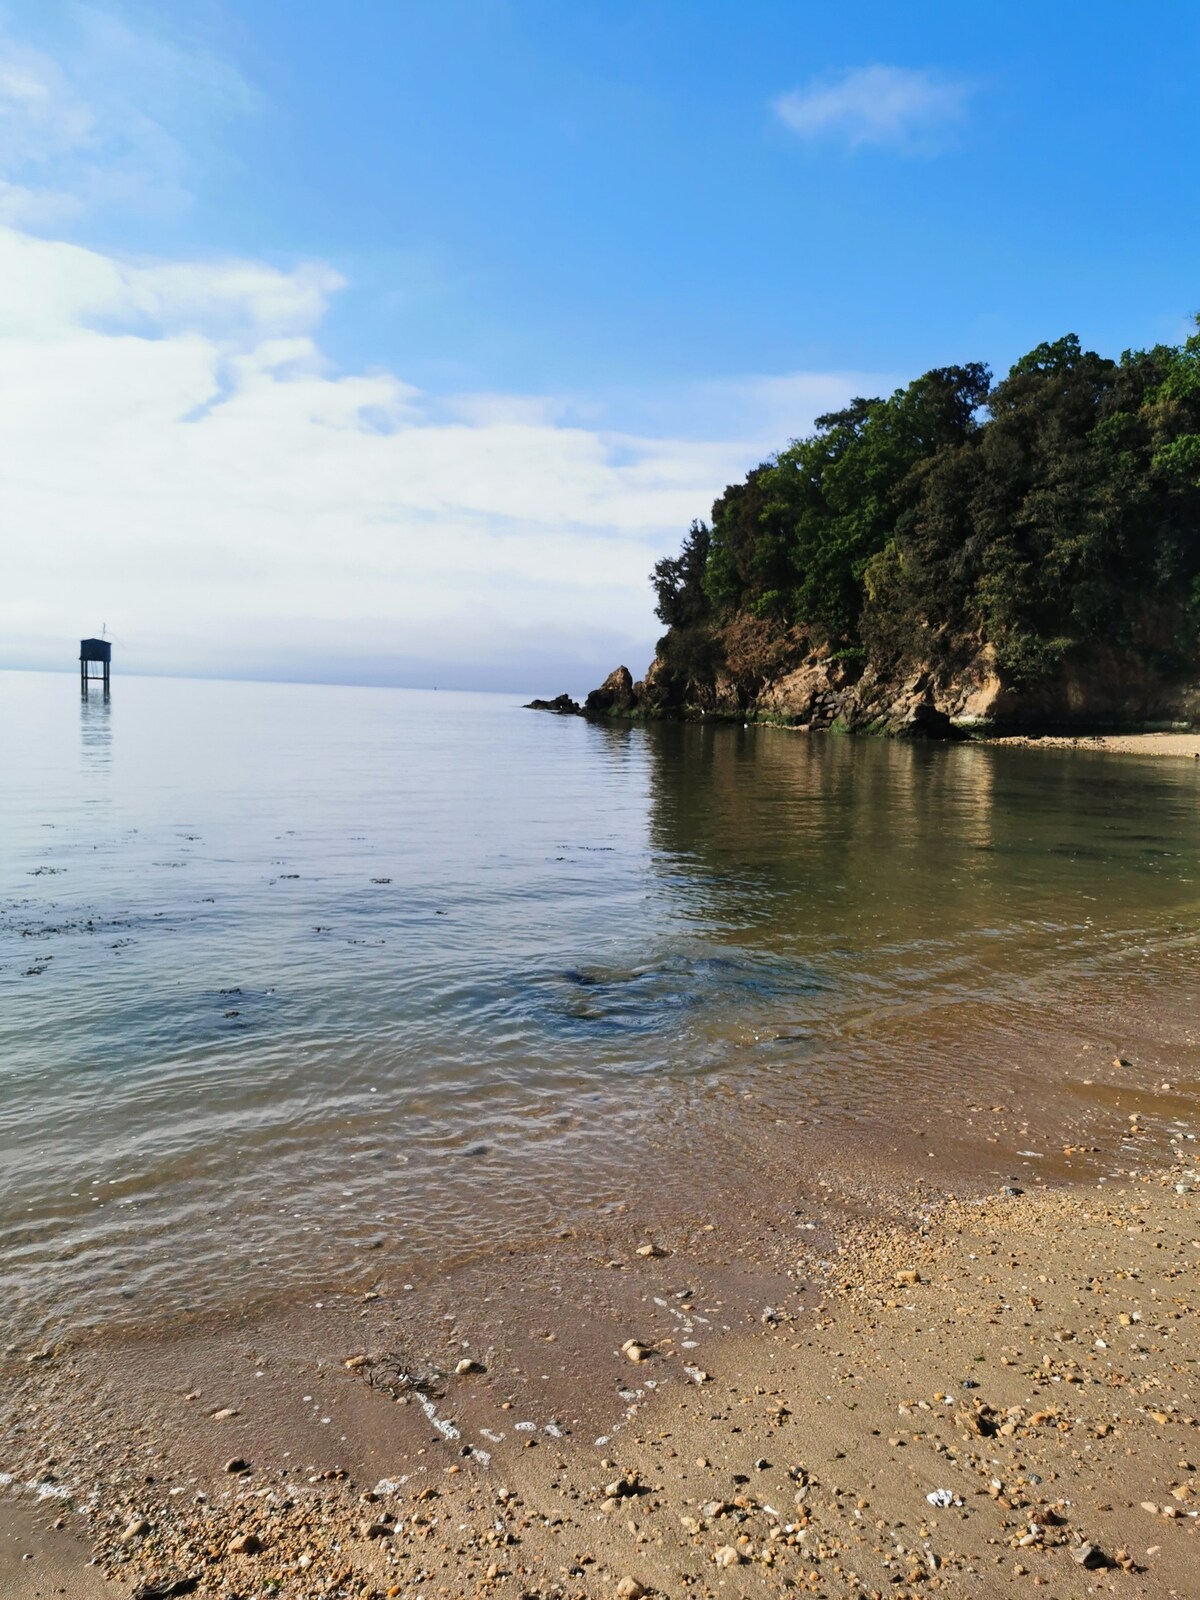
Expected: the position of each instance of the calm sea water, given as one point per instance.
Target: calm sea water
(286, 971)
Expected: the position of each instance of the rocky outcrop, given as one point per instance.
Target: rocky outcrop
(804, 686)
(616, 696)
(562, 705)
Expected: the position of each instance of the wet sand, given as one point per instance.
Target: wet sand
(1126, 744)
(810, 1370)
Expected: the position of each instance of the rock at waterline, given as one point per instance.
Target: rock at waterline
(615, 694)
(562, 705)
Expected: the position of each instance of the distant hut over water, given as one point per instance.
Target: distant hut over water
(98, 651)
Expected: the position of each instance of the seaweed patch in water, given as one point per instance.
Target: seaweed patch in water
(649, 999)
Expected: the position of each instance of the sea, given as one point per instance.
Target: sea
(288, 971)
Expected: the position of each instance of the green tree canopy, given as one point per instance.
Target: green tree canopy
(1060, 505)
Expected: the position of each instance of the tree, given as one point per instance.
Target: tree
(679, 580)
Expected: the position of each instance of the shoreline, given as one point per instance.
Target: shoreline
(1158, 744)
(1146, 742)
(802, 1367)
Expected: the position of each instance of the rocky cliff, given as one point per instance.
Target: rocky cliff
(755, 674)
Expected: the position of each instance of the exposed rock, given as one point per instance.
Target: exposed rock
(752, 669)
(614, 696)
(562, 705)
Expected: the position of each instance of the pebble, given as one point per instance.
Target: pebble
(629, 1589)
(466, 1365)
(1089, 1555)
(622, 1488)
(134, 1529)
(635, 1350)
(246, 1544)
(236, 1464)
(649, 1251)
(727, 1556)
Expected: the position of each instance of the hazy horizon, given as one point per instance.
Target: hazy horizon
(499, 683)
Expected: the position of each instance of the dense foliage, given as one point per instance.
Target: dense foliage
(1057, 507)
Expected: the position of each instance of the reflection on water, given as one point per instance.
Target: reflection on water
(327, 963)
(95, 734)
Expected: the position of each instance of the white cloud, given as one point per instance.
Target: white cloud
(183, 464)
(897, 106)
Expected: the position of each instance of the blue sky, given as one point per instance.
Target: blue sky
(615, 252)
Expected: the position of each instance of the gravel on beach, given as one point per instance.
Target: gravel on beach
(971, 1397)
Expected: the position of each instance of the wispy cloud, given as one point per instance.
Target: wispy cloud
(111, 118)
(904, 107)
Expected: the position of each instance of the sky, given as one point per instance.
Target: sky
(392, 341)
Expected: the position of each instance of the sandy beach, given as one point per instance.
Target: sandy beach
(1125, 744)
(974, 1393)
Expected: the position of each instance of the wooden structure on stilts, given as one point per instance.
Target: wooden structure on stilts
(98, 651)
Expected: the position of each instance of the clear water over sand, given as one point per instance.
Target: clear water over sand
(294, 979)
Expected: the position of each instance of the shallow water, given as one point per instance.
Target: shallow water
(288, 972)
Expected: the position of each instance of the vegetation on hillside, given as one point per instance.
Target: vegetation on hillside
(1058, 507)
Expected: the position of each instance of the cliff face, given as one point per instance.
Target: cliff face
(754, 674)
